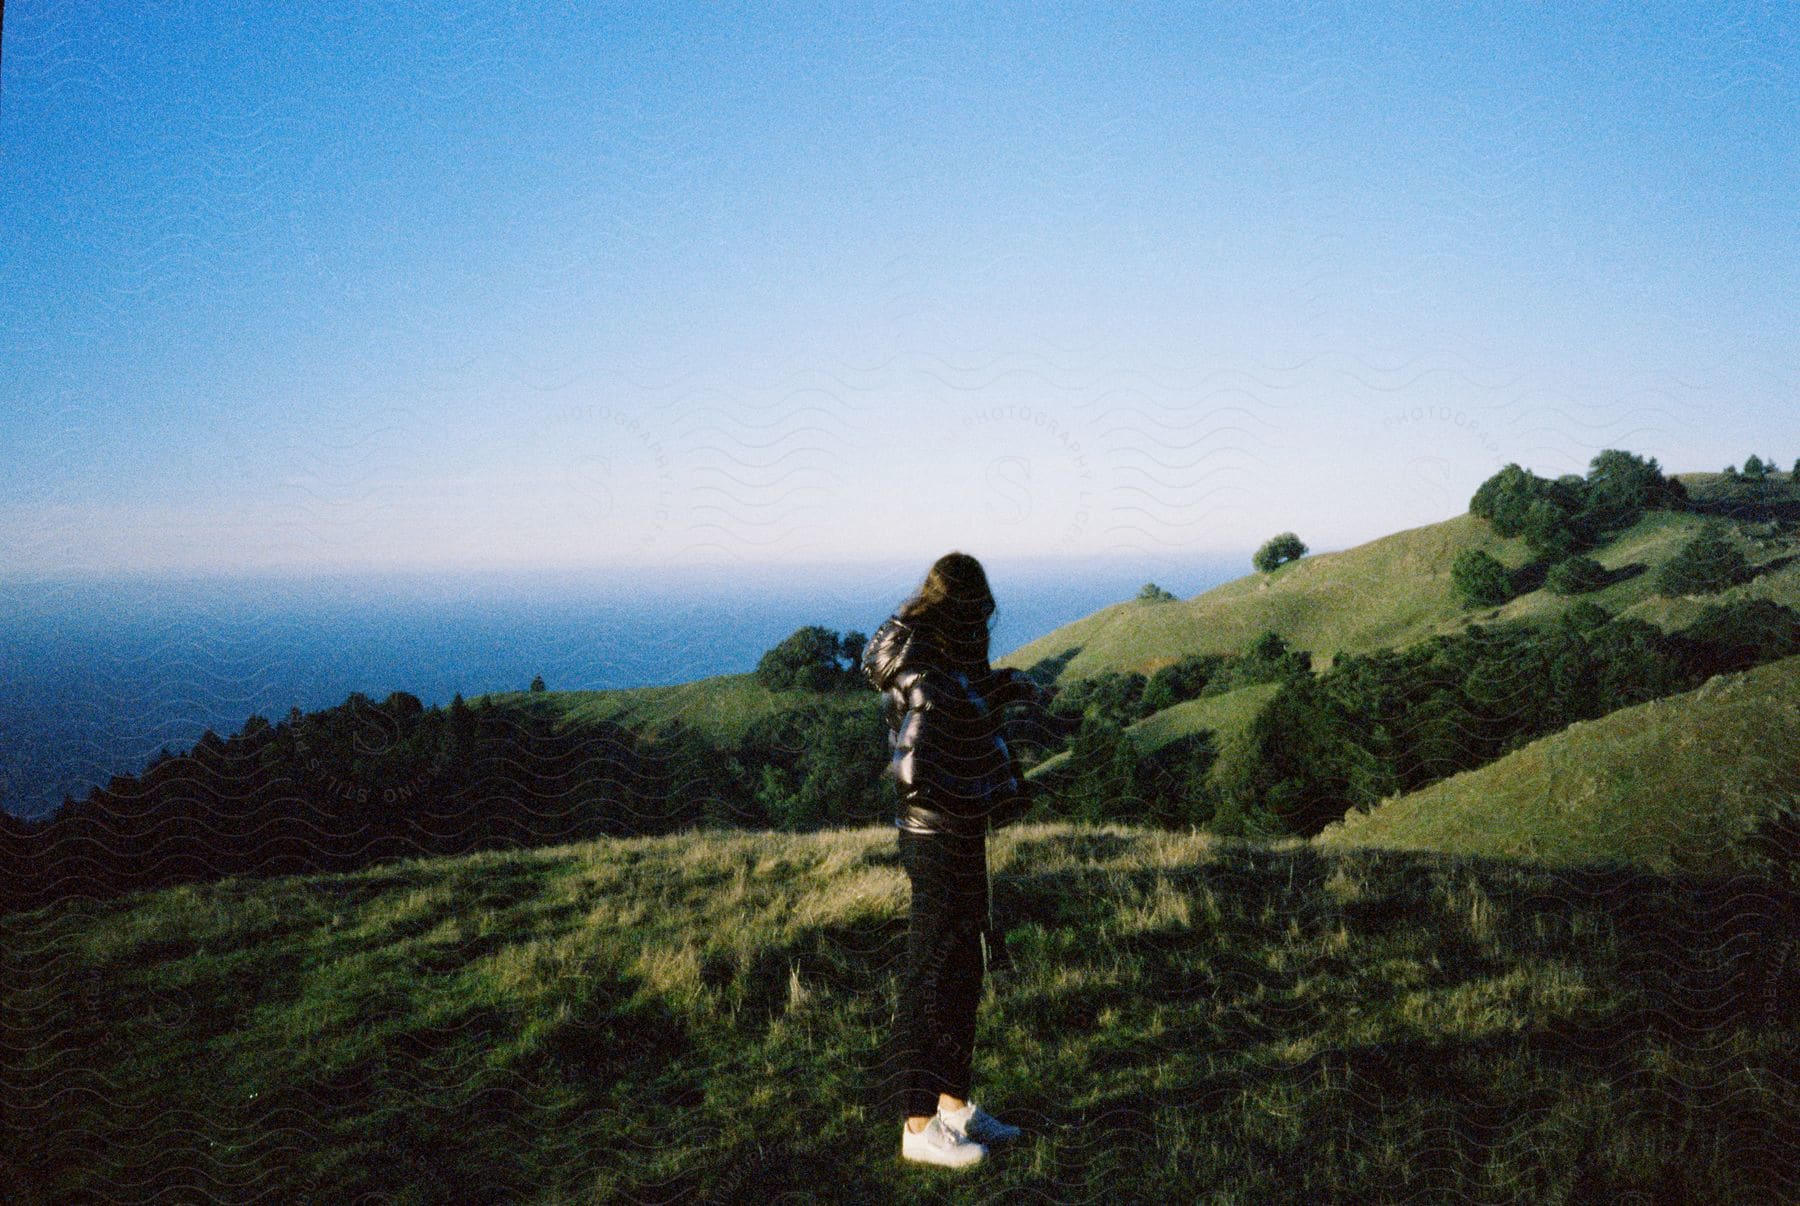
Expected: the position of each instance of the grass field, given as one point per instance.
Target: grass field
(701, 1017)
(1673, 784)
(1395, 591)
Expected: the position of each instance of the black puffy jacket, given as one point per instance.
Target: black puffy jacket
(949, 758)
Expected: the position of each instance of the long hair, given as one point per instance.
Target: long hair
(954, 607)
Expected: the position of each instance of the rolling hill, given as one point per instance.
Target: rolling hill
(1396, 590)
(1673, 784)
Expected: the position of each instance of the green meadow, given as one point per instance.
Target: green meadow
(702, 1017)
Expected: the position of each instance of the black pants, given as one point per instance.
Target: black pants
(935, 1031)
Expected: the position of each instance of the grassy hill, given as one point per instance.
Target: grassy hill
(1672, 784)
(722, 707)
(701, 1017)
(1396, 590)
(1228, 715)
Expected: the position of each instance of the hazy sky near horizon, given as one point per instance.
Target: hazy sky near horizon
(457, 286)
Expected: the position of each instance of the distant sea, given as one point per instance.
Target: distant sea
(97, 675)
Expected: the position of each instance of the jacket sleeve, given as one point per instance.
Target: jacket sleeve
(883, 654)
(896, 659)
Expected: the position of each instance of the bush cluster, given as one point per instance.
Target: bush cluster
(1565, 515)
(1710, 561)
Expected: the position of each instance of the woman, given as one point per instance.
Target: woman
(955, 779)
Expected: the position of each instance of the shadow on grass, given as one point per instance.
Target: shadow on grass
(1697, 949)
(1771, 565)
(1623, 573)
(1678, 963)
(1749, 507)
(1046, 669)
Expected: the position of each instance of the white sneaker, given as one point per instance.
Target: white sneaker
(939, 1144)
(979, 1125)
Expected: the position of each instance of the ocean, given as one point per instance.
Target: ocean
(99, 674)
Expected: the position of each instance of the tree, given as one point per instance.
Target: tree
(1278, 551)
(1754, 469)
(1480, 579)
(1503, 499)
(1575, 576)
(537, 683)
(1175, 778)
(1794, 473)
(1709, 562)
(1622, 485)
(1548, 530)
(1113, 694)
(1152, 593)
(807, 660)
(1741, 634)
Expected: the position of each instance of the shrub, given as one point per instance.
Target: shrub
(1152, 593)
(1114, 695)
(1576, 576)
(1480, 579)
(1741, 634)
(1184, 680)
(1709, 562)
(1278, 551)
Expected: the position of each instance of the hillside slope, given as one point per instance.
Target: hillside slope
(1227, 715)
(703, 1017)
(1673, 784)
(1397, 590)
(721, 708)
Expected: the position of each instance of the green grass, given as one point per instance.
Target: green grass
(1385, 593)
(1672, 784)
(722, 707)
(1228, 715)
(1396, 590)
(701, 1017)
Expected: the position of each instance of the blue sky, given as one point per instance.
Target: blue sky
(456, 287)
